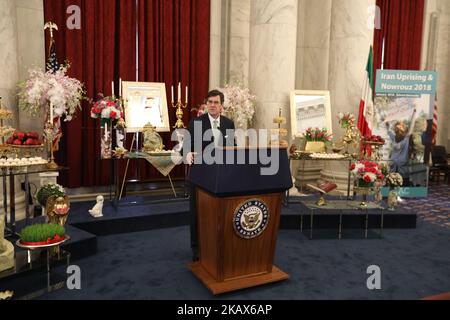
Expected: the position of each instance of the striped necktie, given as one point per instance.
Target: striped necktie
(216, 132)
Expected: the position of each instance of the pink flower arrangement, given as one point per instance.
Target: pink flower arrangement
(107, 108)
(367, 171)
(321, 135)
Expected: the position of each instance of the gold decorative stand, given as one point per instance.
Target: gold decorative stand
(352, 136)
(280, 132)
(49, 136)
(364, 191)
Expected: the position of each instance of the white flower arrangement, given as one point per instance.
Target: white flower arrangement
(45, 88)
(394, 179)
(239, 105)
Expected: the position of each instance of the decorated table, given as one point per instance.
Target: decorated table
(12, 170)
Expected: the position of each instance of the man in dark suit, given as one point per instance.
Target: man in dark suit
(221, 129)
(206, 132)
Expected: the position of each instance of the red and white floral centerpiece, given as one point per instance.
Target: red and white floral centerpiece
(110, 111)
(366, 173)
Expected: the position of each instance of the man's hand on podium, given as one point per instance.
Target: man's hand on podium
(190, 158)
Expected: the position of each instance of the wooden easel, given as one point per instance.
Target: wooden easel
(136, 138)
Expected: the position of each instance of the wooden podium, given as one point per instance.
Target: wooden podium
(238, 212)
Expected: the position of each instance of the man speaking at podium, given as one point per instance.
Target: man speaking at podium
(209, 129)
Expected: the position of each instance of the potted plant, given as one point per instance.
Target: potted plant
(48, 190)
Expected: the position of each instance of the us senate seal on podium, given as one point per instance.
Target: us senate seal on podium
(251, 219)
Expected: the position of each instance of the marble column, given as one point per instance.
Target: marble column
(215, 44)
(9, 79)
(6, 250)
(313, 44)
(273, 35)
(31, 50)
(313, 47)
(350, 40)
(239, 42)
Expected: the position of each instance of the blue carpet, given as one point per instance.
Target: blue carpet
(152, 265)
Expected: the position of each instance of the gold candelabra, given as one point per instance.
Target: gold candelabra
(179, 113)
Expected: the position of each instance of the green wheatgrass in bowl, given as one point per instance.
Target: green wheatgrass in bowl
(41, 232)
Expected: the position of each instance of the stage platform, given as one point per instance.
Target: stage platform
(84, 229)
(133, 216)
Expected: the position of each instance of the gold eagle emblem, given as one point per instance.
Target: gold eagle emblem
(251, 220)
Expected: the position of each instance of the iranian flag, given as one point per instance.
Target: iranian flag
(366, 109)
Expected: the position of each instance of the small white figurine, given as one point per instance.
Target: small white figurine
(97, 210)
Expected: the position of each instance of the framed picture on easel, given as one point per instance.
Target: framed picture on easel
(310, 109)
(145, 102)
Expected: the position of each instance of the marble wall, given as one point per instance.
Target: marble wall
(9, 77)
(313, 44)
(239, 42)
(350, 41)
(22, 38)
(31, 39)
(273, 42)
(215, 60)
(8, 56)
(333, 44)
(230, 42)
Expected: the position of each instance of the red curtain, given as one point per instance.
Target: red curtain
(174, 47)
(401, 28)
(97, 53)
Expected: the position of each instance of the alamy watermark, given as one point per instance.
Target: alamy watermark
(374, 280)
(73, 277)
(73, 21)
(233, 149)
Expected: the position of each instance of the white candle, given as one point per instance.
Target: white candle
(172, 96)
(120, 87)
(186, 94)
(112, 88)
(179, 92)
(106, 130)
(51, 112)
